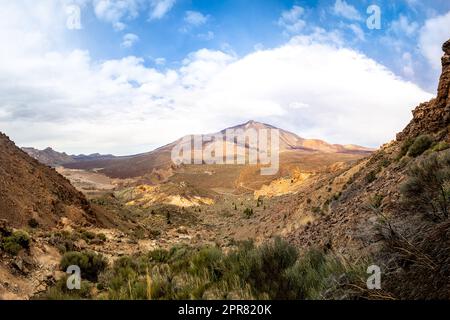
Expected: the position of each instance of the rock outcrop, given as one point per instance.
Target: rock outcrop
(433, 116)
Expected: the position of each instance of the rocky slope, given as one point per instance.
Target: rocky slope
(362, 211)
(30, 190)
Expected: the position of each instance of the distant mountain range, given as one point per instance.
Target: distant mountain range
(160, 159)
(54, 158)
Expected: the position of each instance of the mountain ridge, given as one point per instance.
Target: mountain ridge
(160, 159)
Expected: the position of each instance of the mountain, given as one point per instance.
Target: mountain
(31, 190)
(158, 162)
(49, 156)
(290, 141)
(54, 158)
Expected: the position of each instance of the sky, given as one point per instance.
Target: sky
(127, 76)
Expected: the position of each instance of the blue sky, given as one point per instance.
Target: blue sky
(240, 26)
(127, 76)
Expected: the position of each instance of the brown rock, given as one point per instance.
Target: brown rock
(433, 116)
(446, 47)
(30, 189)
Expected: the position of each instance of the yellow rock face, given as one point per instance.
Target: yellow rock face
(284, 185)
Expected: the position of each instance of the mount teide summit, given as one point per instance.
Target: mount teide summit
(290, 141)
(160, 159)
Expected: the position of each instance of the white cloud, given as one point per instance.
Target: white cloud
(311, 85)
(129, 40)
(195, 18)
(432, 35)
(119, 26)
(113, 11)
(408, 67)
(159, 8)
(343, 9)
(359, 33)
(207, 36)
(160, 61)
(118, 11)
(291, 21)
(404, 26)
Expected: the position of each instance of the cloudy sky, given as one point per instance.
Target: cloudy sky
(127, 76)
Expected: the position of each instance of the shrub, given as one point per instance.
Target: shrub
(376, 201)
(15, 242)
(61, 292)
(428, 186)
(90, 263)
(337, 196)
(371, 176)
(275, 270)
(441, 146)
(63, 240)
(159, 255)
(33, 223)
(248, 212)
(87, 235)
(420, 145)
(405, 148)
(385, 163)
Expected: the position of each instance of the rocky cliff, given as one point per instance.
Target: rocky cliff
(433, 116)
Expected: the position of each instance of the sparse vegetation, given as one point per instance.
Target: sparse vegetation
(420, 254)
(15, 242)
(337, 196)
(420, 145)
(428, 186)
(405, 148)
(61, 292)
(90, 263)
(33, 223)
(441, 146)
(376, 201)
(248, 213)
(276, 270)
(371, 176)
(385, 162)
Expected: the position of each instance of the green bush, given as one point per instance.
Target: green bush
(61, 292)
(420, 145)
(90, 263)
(441, 146)
(428, 186)
(371, 176)
(275, 270)
(87, 235)
(33, 223)
(405, 148)
(15, 242)
(63, 240)
(248, 213)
